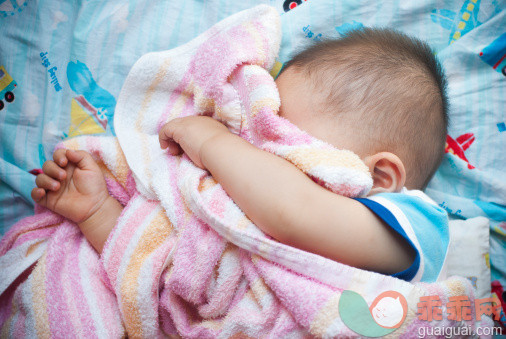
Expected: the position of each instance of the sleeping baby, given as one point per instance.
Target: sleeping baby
(376, 92)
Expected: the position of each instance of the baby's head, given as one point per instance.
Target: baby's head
(378, 93)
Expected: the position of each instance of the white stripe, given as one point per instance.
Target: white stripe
(262, 92)
(89, 294)
(164, 189)
(406, 226)
(27, 300)
(419, 194)
(109, 152)
(67, 290)
(144, 299)
(14, 320)
(16, 261)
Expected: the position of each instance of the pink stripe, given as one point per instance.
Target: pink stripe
(303, 310)
(8, 302)
(72, 288)
(57, 307)
(184, 317)
(188, 108)
(93, 145)
(19, 326)
(40, 234)
(284, 325)
(199, 249)
(29, 228)
(238, 80)
(126, 233)
(256, 80)
(131, 186)
(272, 129)
(243, 43)
(109, 313)
(211, 69)
(218, 202)
(117, 191)
(179, 205)
(266, 44)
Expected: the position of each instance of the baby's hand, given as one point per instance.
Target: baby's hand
(72, 185)
(189, 134)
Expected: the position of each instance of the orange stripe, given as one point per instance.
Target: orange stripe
(156, 233)
(121, 167)
(38, 289)
(72, 144)
(206, 183)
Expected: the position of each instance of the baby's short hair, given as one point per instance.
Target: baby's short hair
(390, 88)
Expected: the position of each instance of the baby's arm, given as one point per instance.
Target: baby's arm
(285, 203)
(73, 186)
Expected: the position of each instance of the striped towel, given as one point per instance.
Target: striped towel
(183, 259)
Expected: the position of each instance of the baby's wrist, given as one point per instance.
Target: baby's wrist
(97, 227)
(208, 149)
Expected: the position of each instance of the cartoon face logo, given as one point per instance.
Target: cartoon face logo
(385, 314)
(389, 309)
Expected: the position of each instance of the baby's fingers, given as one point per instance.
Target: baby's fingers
(54, 171)
(60, 157)
(38, 194)
(172, 146)
(45, 182)
(166, 138)
(82, 159)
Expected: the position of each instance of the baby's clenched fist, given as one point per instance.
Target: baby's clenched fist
(71, 185)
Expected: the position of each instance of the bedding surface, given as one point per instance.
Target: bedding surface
(62, 65)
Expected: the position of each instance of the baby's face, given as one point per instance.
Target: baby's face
(305, 106)
(302, 105)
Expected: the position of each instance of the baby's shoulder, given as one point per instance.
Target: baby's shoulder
(414, 203)
(419, 220)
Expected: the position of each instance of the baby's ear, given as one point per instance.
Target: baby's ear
(388, 172)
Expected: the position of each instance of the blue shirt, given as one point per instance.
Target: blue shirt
(424, 225)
